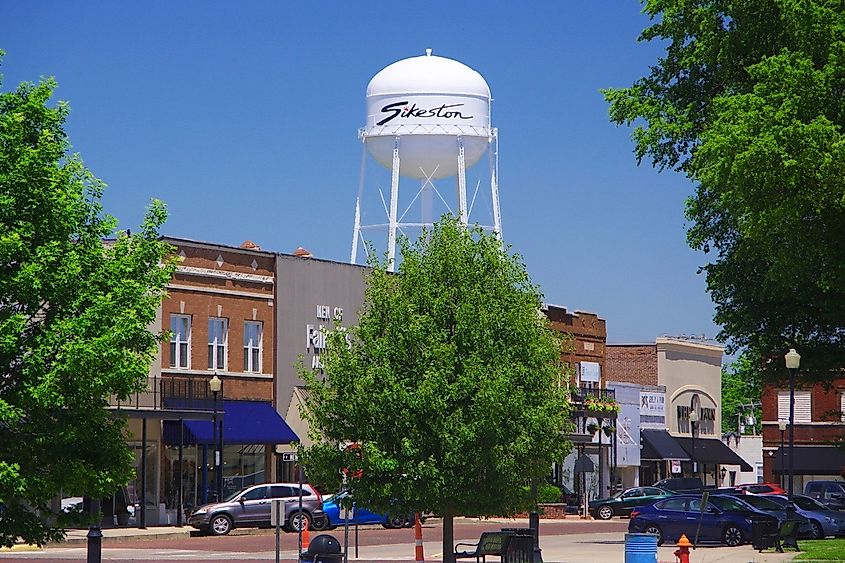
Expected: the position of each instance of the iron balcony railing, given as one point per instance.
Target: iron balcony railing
(172, 392)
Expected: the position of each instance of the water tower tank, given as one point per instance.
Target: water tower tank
(427, 105)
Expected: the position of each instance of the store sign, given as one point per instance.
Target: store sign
(590, 372)
(652, 404)
(315, 333)
(676, 466)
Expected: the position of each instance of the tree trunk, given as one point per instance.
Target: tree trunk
(448, 538)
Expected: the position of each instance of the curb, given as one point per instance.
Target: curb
(114, 539)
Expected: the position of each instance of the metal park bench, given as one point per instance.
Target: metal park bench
(511, 545)
(490, 543)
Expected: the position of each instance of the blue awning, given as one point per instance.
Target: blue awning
(244, 422)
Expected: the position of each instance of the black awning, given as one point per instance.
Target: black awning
(811, 460)
(658, 444)
(711, 450)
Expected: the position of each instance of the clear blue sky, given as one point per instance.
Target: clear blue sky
(243, 118)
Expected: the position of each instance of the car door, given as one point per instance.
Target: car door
(252, 503)
(671, 517)
(630, 499)
(712, 520)
(289, 495)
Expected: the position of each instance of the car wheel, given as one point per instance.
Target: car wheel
(655, 530)
(300, 521)
(320, 524)
(817, 532)
(220, 525)
(605, 512)
(732, 536)
(393, 522)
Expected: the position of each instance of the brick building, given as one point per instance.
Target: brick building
(220, 311)
(819, 432)
(589, 468)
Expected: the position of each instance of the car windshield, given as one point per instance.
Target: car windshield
(806, 503)
(729, 504)
(762, 503)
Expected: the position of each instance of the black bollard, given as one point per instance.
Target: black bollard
(95, 535)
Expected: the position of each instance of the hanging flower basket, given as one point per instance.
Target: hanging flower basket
(594, 404)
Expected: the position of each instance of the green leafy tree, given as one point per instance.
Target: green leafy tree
(75, 313)
(749, 103)
(450, 385)
(742, 389)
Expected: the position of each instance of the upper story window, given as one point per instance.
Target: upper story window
(842, 406)
(252, 346)
(217, 339)
(180, 341)
(803, 406)
(589, 375)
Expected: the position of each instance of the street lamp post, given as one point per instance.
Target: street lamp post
(215, 384)
(793, 362)
(782, 428)
(693, 421)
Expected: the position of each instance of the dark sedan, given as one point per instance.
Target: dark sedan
(731, 524)
(621, 504)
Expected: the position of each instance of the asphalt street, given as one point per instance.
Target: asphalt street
(562, 541)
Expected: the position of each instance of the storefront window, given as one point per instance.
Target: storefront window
(134, 486)
(243, 465)
(189, 477)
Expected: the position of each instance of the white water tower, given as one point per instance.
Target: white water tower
(428, 123)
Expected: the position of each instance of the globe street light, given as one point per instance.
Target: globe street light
(214, 385)
(782, 428)
(693, 420)
(793, 362)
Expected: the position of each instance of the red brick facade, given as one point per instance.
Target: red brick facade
(825, 428)
(588, 331)
(234, 284)
(632, 363)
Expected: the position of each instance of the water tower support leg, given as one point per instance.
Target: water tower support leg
(356, 230)
(394, 203)
(462, 184)
(493, 155)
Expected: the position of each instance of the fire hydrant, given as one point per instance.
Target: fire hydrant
(682, 553)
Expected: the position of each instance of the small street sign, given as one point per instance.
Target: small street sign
(289, 456)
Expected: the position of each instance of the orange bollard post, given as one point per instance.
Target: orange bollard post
(682, 553)
(419, 557)
(305, 536)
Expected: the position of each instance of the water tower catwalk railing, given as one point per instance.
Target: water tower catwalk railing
(394, 221)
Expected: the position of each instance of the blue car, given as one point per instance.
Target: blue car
(360, 515)
(730, 522)
(823, 521)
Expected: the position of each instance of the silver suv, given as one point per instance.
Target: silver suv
(250, 507)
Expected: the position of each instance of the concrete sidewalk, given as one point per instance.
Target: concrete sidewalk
(599, 547)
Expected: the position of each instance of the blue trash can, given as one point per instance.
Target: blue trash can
(640, 548)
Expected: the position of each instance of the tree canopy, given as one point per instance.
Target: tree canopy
(742, 391)
(75, 312)
(749, 103)
(451, 384)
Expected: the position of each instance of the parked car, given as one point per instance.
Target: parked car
(676, 515)
(360, 515)
(767, 504)
(829, 493)
(622, 503)
(762, 489)
(823, 521)
(250, 507)
(681, 484)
